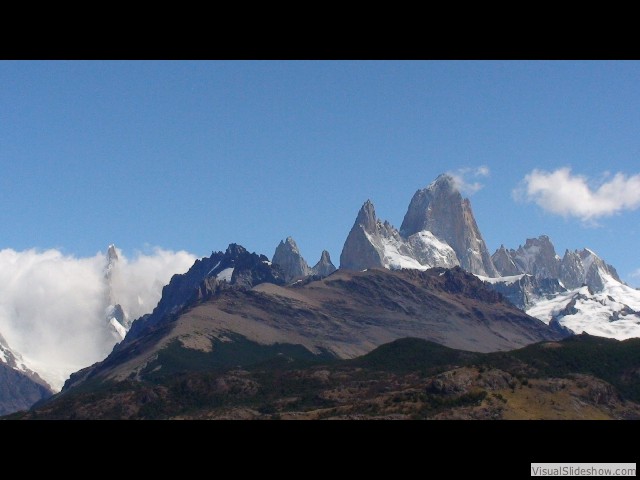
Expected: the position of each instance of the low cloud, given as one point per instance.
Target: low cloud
(52, 306)
(562, 193)
(464, 178)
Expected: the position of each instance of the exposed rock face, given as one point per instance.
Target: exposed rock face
(235, 267)
(538, 258)
(591, 270)
(287, 256)
(525, 290)
(572, 270)
(358, 251)
(503, 261)
(324, 266)
(372, 243)
(441, 210)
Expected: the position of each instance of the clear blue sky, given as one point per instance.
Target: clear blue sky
(195, 155)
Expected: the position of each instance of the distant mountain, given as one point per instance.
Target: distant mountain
(324, 266)
(538, 258)
(580, 291)
(117, 319)
(288, 258)
(20, 387)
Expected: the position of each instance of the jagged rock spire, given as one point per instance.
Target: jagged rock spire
(287, 256)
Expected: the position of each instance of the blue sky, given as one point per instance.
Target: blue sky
(195, 155)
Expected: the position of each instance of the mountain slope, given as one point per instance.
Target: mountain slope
(18, 391)
(235, 266)
(20, 387)
(578, 378)
(344, 315)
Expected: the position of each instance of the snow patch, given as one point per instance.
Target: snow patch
(594, 312)
(508, 280)
(211, 271)
(225, 274)
(420, 251)
(118, 328)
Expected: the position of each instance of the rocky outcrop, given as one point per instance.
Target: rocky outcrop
(572, 270)
(591, 271)
(358, 252)
(578, 292)
(235, 267)
(503, 261)
(525, 290)
(538, 258)
(324, 266)
(441, 210)
(287, 256)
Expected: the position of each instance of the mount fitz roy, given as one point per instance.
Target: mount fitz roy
(438, 230)
(579, 291)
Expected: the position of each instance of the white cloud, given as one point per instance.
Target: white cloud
(52, 306)
(562, 193)
(462, 178)
(635, 273)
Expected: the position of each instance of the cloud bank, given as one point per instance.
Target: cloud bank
(562, 193)
(463, 178)
(52, 306)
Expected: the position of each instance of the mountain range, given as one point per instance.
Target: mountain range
(432, 279)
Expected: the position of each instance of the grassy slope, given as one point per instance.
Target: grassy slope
(581, 377)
